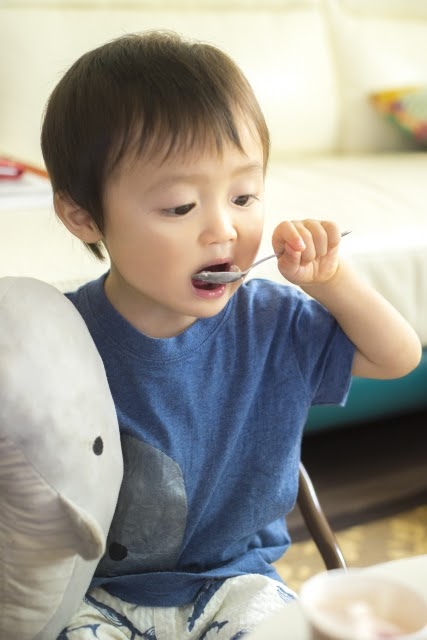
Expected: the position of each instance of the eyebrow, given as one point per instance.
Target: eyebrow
(251, 167)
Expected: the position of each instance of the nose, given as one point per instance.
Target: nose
(218, 226)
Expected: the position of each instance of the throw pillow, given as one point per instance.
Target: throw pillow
(407, 108)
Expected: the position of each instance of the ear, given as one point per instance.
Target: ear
(87, 535)
(77, 220)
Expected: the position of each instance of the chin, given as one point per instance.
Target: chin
(209, 307)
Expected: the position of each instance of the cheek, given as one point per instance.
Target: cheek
(253, 227)
(146, 248)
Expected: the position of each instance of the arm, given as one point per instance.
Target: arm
(386, 345)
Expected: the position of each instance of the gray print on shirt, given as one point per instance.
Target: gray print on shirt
(148, 526)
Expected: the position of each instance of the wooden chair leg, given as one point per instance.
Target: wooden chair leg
(317, 524)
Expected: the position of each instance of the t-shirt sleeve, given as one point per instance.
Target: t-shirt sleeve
(323, 352)
(304, 347)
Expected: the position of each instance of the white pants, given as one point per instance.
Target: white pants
(223, 610)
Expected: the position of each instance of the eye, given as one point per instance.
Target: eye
(244, 200)
(181, 210)
(98, 446)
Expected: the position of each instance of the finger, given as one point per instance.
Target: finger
(320, 238)
(325, 237)
(286, 238)
(333, 233)
(314, 237)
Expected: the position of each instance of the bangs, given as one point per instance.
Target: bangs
(169, 130)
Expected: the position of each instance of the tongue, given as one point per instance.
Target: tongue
(198, 284)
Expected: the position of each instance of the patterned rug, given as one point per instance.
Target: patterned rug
(371, 481)
(399, 536)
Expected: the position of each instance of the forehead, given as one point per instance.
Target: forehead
(187, 150)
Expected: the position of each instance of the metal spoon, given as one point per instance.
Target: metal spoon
(225, 277)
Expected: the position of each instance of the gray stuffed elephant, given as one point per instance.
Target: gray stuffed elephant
(60, 459)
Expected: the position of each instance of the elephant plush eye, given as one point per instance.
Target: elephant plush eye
(98, 446)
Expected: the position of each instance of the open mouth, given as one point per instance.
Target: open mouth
(198, 284)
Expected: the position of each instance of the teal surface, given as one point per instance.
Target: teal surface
(374, 399)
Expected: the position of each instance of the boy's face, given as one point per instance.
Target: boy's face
(166, 221)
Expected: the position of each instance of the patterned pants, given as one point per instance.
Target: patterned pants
(223, 610)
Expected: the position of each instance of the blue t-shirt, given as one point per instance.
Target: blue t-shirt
(211, 424)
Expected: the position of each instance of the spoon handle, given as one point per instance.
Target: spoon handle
(273, 255)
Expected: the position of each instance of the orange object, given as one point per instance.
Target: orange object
(10, 170)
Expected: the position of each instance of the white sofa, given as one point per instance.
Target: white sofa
(313, 64)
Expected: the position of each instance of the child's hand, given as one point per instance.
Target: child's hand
(310, 250)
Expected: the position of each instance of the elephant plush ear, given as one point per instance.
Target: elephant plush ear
(61, 463)
(89, 539)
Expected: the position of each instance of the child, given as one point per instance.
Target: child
(157, 151)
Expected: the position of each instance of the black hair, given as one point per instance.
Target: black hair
(140, 94)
